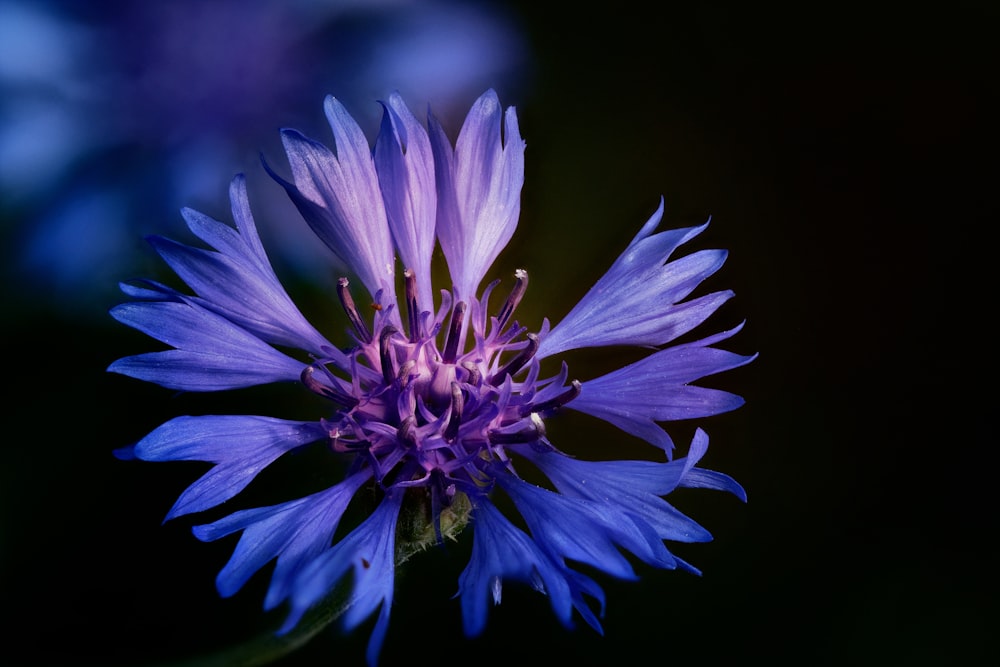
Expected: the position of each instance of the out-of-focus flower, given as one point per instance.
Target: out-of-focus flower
(441, 400)
(118, 108)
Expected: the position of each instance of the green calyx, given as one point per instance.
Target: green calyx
(415, 530)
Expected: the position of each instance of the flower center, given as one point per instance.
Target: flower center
(424, 415)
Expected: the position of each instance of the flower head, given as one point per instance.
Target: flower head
(439, 403)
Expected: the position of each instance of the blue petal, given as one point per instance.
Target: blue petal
(240, 242)
(126, 453)
(500, 549)
(601, 481)
(656, 389)
(405, 167)
(238, 281)
(370, 550)
(295, 533)
(701, 478)
(240, 446)
(339, 196)
(637, 301)
(150, 290)
(479, 190)
(220, 236)
(245, 225)
(583, 585)
(212, 353)
(244, 294)
(586, 530)
(196, 371)
(637, 485)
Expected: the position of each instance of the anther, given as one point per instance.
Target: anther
(532, 432)
(553, 403)
(518, 362)
(514, 298)
(454, 333)
(344, 294)
(325, 390)
(407, 432)
(457, 405)
(405, 371)
(384, 353)
(413, 315)
(473, 370)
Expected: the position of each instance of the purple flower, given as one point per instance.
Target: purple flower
(440, 401)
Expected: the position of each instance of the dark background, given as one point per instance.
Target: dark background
(847, 159)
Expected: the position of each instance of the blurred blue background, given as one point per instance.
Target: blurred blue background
(846, 159)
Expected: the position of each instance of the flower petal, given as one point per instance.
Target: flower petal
(212, 353)
(581, 585)
(370, 550)
(242, 242)
(479, 190)
(586, 530)
(338, 195)
(656, 389)
(500, 549)
(295, 533)
(600, 481)
(405, 167)
(240, 446)
(638, 485)
(636, 301)
(237, 281)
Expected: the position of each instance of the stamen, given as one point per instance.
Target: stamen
(352, 311)
(518, 362)
(457, 405)
(413, 315)
(407, 431)
(325, 390)
(405, 371)
(553, 403)
(510, 334)
(473, 370)
(514, 298)
(454, 333)
(533, 431)
(384, 353)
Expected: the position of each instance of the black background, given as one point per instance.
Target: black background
(847, 158)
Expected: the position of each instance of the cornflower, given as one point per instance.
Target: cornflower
(434, 407)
